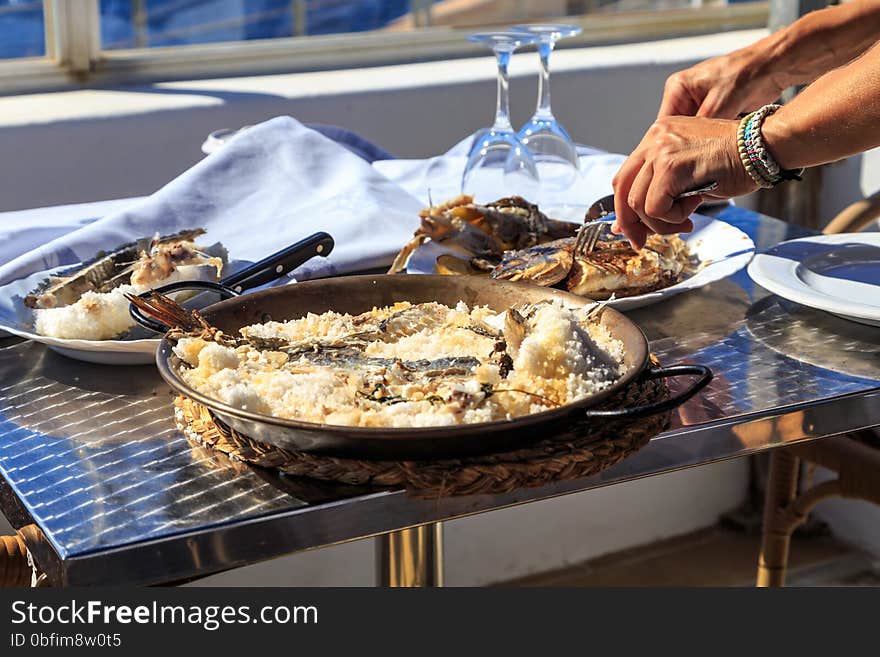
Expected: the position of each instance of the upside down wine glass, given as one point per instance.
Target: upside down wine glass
(499, 164)
(553, 150)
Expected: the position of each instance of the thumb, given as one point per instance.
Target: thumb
(718, 105)
(677, 101)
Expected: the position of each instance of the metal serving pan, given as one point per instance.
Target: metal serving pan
(357, 294)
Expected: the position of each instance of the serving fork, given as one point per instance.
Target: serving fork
(588, 234)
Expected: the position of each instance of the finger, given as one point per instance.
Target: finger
(717, 106)
(660, 196)
(661, 203)
(628, 222)
(625, 218)
(670, 102)
(638, 235)
(687, 206)
(638, 191)
(666, 228)
(677, 101)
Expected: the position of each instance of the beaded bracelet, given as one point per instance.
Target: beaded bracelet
(757, 160)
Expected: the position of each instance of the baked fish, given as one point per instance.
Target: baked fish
(612, 268)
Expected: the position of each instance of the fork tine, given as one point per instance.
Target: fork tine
(595, 236)
(587, 237)
(580, 237)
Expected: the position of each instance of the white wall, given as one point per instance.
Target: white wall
(97, 144)
(501, 545)
(855, 521)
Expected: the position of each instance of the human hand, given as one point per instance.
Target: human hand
(721, 87)
(676, 154)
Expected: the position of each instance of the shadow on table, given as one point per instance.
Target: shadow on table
(698, 318)
(135, 380)
(815, 337)
(302, 489)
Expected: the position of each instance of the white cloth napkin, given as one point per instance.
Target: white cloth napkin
(268, 187)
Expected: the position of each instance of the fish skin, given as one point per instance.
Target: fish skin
(613, 267)
(353, 357)
(544, 264)
(102, 273)
(64, 290)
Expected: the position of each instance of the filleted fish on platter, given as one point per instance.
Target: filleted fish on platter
(511, 239)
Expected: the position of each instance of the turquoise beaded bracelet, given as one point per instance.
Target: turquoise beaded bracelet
(757, 160)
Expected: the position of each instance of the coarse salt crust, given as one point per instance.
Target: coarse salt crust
(94, 316)
(104, 315)
(385, 381)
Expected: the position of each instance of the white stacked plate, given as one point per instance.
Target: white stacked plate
(839, 274)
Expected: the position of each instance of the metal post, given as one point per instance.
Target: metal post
(411, 557)
(300, 20)
(785, 12)
(73, 35)
(139, 18)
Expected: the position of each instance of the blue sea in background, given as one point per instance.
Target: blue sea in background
(180, 22)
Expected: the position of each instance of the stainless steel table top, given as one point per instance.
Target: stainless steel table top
(90, 453)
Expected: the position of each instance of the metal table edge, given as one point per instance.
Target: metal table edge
(82, 569)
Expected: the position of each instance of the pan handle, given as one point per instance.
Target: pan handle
(265, 271)
(703, 374)
(280, 263)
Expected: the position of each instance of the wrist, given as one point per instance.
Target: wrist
(780, 138)
(758, 159)
(779, 60)
(760, 71)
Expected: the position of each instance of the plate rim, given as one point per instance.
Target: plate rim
(77, 344)
(794, 289)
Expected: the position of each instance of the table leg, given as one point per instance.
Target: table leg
(411, 557)
(776, 536)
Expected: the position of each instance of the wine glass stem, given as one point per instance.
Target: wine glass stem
(543, 110)
(502, 106)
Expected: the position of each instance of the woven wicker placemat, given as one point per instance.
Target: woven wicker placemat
(584, 449)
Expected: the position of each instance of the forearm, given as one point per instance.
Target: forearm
(818, 42)
(836, 116)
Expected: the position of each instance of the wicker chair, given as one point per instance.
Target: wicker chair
(854, 458)
(15, 570)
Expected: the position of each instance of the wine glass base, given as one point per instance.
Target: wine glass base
(545, 137)
(499, 165)
(555, 157)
